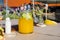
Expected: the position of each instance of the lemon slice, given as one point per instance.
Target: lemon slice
(28, 16)
(1, 29)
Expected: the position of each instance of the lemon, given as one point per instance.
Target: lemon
(1, 29)
(24, 15)
(28, 16)
(49, 22)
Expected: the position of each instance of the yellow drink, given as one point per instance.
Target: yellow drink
(25, 25)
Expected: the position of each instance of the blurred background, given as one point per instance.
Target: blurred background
(53, 6)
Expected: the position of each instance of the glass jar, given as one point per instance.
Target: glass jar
(25, 24)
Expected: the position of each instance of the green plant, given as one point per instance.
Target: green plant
(11, 16)
(3, 12)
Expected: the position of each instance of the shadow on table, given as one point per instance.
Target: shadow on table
(15, 27)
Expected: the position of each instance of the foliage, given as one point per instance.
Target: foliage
(11, 16)
(3, 12)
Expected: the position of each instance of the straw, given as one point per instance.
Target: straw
(6, 6)
(33, 7)
(46, 11)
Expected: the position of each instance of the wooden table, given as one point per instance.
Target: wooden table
(40, 33)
